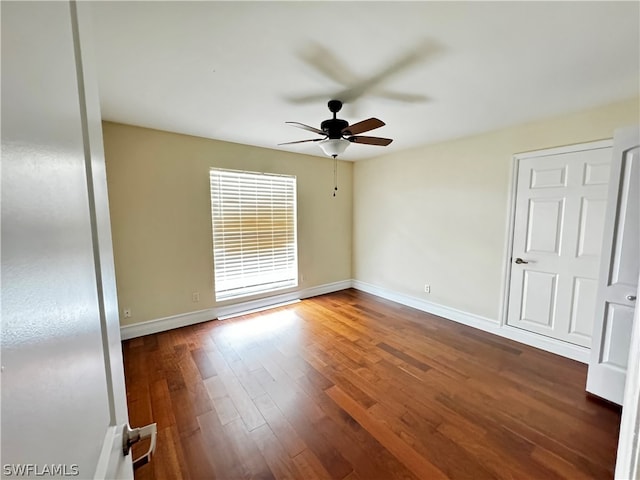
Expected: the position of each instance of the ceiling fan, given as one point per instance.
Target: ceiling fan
(338, 134)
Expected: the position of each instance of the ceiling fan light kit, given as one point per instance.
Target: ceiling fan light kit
(334, 146)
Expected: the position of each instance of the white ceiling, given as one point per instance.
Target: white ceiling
(231, 70)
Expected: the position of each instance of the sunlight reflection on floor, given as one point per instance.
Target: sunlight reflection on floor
(263, 324)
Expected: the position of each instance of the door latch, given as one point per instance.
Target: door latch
(134, 435)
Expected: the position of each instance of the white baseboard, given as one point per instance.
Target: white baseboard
(238, 308)
(575, 352)
(166, 323)
(191, 318)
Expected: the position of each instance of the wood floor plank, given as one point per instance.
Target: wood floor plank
(310, 467)
(205, 367)
(279, 426)
(185, 414)
(497, 461)
(403, 356)
(169, 449)
(221, 455)
(274, 454)
(349, 386)
(381, 432)
(243, 403)
(559, 465)
(248, 453)
(302, 412)
(247, 379)
(161, 404)
(369, 458)
(197, 456)
(225, 406)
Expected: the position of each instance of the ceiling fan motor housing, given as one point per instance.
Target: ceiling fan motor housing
(334, 106)
(338, 132)
(333, 127)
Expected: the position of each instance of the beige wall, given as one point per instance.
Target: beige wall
(161, 218)
(438, 214)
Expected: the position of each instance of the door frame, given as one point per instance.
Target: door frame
(112, 462)
(575, 352)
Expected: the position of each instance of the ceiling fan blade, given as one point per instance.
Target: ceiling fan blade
(302, 141)
(401, 97)
(328, 63)
(413, 56)
(363, 126)
(306, 127)
(383, 142)
(311, 98)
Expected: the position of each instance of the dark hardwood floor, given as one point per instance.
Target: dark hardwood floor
(351, 386)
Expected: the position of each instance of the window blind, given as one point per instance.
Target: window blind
(254, 232)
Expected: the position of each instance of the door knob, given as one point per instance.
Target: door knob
(134, 435)
(519, 261)
(631, 298)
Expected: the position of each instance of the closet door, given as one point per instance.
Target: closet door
(560, 205)
(618, 281)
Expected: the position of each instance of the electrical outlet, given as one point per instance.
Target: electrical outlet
(127, 313)
(427, 288)
(195, 296)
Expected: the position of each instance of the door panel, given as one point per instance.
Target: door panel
(584, 291)
(539, 298)
(617, 325)
(596, 173)
(592, 213)
(543, 226)
(548, 177)
(559, 219)
(617, 289)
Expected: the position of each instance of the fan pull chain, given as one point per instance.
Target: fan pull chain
(335, 174)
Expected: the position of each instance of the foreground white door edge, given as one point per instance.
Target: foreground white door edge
(559, 199)
(114, 461)
(63, 383)
(617, 291)
(628, 458)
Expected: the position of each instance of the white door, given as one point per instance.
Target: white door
(63, 399)
(560, 206)
(616, 297)
(628, 458)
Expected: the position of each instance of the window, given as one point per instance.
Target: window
(254, 232)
